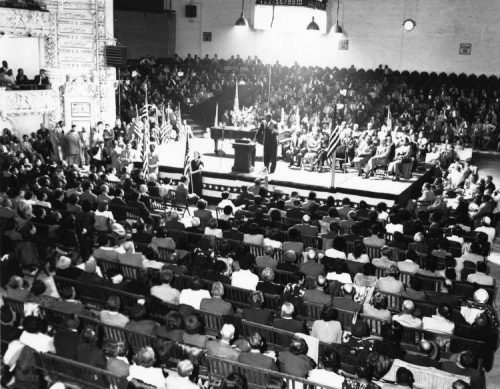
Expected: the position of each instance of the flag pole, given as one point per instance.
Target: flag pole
(334, 163)
(269, 91)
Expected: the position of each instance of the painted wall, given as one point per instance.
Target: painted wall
(145, 33)
(374, 29)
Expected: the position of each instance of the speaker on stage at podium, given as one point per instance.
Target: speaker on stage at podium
(244, 156)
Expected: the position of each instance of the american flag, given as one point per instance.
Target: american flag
(145, 151)
(187, 159)
(165, 129)
(136, 129)
(334, 134)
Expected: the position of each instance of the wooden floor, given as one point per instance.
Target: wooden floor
(218, 172)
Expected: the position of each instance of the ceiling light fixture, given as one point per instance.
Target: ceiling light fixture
(336, 28)
(241, 22)
(313, 26)
(409, 24)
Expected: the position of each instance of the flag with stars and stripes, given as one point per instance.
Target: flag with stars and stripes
(136, 129)
(145, 152)
(334, 135)
(187, 159)
(165, 129)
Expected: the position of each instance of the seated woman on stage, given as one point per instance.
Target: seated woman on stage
(404, 154)
(363, 154)
(312, 147)
(381, 158)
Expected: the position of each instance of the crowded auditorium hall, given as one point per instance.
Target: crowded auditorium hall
(259, 194)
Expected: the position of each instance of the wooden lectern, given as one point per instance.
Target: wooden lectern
(244, 157)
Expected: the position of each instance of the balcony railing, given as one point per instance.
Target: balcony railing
(28, 87)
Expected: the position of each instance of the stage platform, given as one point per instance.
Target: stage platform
(218, 177)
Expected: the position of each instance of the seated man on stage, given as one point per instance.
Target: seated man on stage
(364, 152)
(404, 154)
(297, 148)
(322, 152)
(385, 154)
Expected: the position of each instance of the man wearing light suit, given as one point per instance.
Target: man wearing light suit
(72, 146)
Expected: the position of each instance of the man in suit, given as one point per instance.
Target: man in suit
(305, 228)
(233, 233)
(295, 213)
(216, 304)
(67, 340)
(346, 301)
(254, 357)
(87, 194)
(174, 223)
(138, 321)
(427, 355)
(312, 268)
(267, 260)
(355, 235)
(244, 197)
(41, 78)
(222, 348)
(317, 295)
(268, 132)
(118, 198)
(140, 206)
(8, 328)
(287, 322)
(72, 145)
(465, 365)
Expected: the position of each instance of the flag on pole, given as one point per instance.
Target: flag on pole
(236, 106)
(334, 140)
(389, 117)
(187, 159)
(145, 138)
(136, 129)
(282, 119)
(145, 151)
(216, 119)
(165, 130)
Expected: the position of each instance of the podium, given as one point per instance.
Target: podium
(244, 157)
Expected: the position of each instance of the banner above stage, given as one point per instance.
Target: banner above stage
(315, 4)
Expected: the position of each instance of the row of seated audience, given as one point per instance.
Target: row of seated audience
(52, 207)
(34, 225)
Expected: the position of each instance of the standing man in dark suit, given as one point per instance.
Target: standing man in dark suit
(268, 132)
